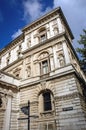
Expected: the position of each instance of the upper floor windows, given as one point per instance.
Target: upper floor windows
(43, 37)
(44, 67)
(42, 34)
(44, 64)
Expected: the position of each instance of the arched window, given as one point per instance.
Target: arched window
(46, 101)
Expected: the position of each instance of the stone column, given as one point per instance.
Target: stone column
(66, 54)
(7, 118)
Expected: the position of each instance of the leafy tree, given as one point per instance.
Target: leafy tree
(82, 50)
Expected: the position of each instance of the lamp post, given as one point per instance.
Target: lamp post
(28, 115)
(26, 111)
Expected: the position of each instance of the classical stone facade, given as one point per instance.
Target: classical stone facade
(41, 67)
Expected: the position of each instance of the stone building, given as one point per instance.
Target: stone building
(41, 67)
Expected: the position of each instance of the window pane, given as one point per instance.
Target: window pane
(47, 96)
(45, 67)
(46, 126)
(43, 37)
(47, 101)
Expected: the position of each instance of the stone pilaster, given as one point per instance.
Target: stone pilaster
(6, 124)
(66, 55)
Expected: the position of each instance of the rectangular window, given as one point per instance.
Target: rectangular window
(44, 67)
(47, 101)
(43, 37)
(47, 126)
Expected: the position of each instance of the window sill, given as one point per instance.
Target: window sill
(44, 75)
(47, 112)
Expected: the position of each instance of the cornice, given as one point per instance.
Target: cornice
(2, 83)
(41, 44)
(11, 64)
(5, 73)
(72, 71)
(44, 43)
(46, 17)
(41, 20)
(12, 43)
(36, 23)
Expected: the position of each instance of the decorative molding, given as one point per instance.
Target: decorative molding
(13, 43)
(47, 114)
(4, 101)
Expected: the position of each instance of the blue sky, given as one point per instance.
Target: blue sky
(15, 14)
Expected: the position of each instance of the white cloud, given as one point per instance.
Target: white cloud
(74, 12)
(33, 9)
(16, 34)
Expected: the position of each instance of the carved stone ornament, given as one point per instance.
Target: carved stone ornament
(43, 84)
(3, 101)
(43, 55)
(4, 95)
(28, 69)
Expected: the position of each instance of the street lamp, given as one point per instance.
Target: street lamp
(26, 111)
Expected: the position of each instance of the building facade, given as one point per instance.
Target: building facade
(41, 67)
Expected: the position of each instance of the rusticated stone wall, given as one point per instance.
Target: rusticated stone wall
(68, 111)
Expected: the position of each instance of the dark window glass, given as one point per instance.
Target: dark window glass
(42, 37)
(47, 101)
(45, 67)
(0, 102)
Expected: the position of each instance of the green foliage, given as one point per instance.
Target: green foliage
(82, 41)
(82, 50)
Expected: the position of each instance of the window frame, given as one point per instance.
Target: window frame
(47, 124)
(47, 102)
(42, 32)
(42, 109)
(41, 67)
(43, 37)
